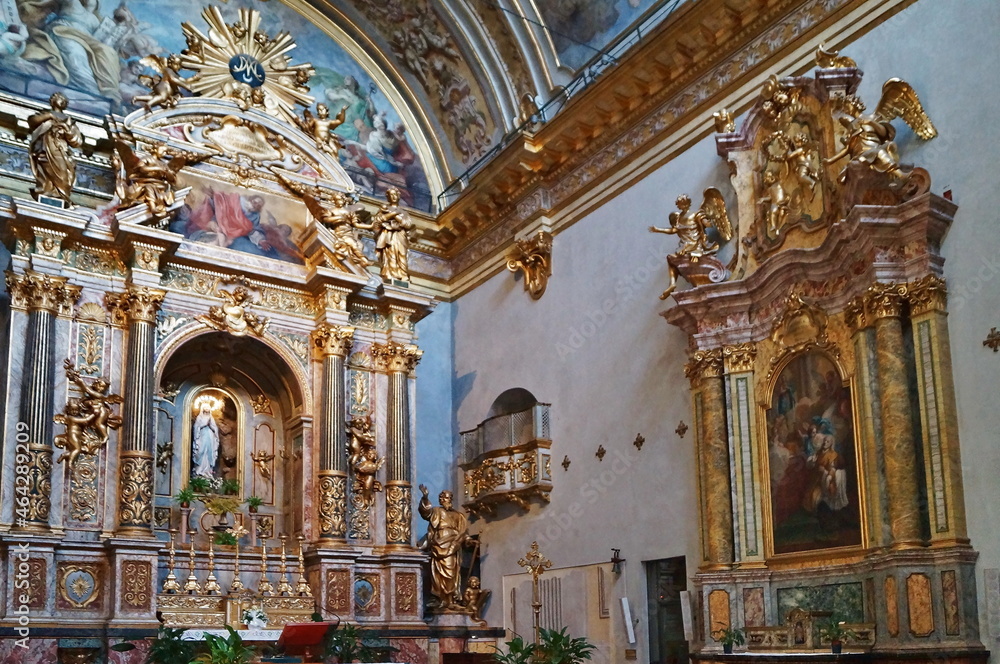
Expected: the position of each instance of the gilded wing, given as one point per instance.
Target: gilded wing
(127, 156)
(714, 209)
(154, 62)
(899, 100)
(307, 123)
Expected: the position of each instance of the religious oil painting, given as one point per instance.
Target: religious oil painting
(811, 458)
(92, 52)
(240, 219)
(214, 450)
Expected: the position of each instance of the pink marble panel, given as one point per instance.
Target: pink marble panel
(137, 656)
(411, 651)
(39, 651)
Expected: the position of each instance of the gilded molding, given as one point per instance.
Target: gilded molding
(332, 504)
(705, 364)
(80, 585)
(333, 339)
(137, 583)
(135, 490)
(34, 485)
(135, 304)
(147, 257)
(83, 488)
(35, 291)
(360, 520)
(395, 357)
(885, 300)
(406, 593)
(927, 294)
(740, 357)
(338, 595)
(856, 315)
(398, 513)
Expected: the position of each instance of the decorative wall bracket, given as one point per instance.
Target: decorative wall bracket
(533, 257)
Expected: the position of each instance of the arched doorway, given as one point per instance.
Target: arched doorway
(230, 409)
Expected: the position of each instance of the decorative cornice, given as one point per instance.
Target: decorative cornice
(395, 357)
(739, 358)
(927, 294)
(136, 304)
(35, 291)
(333, 339)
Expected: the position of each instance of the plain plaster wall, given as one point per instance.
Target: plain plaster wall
(595, 347)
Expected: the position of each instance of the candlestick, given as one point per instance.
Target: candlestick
(212, 586)
(264, 588)
(170, 585)
(192, 586)
(284, 587)
(302, 586)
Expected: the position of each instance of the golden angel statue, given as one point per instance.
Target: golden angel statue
(869, 142)
(321, 127)
(690, 227)
(475, 598)
(54, 134)
(165, 87)
(150, 177)
(331, 209)
(392, 237)
(780, 99)
(88, 421)
(233, 315)
(364, 459)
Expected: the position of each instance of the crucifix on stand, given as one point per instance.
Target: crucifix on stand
(535, 563)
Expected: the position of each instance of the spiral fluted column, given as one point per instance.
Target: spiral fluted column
(137, 308)
(334, 344)
(398, 360)
(43, 296)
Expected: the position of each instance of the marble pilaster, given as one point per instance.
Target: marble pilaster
(334, 344)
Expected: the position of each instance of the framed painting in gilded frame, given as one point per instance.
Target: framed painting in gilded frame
(812, 460)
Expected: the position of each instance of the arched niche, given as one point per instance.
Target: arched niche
(257, 418)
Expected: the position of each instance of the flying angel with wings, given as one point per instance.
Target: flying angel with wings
(869, 141)
(150, 177)
(690, 227)
(165, 88)
(321, 127)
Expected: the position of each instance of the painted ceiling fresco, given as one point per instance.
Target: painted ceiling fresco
(581, 28)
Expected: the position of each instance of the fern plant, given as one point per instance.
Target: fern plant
(518, 652)
(559, 648)
(166, 648)
(225, 649)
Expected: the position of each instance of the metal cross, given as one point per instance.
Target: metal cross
(536, 564)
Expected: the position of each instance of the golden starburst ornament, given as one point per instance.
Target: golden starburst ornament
(240, 61)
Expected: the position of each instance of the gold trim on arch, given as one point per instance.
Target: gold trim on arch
(819, 556)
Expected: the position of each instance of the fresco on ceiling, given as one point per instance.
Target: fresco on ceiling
(595, 23)
(90, 49)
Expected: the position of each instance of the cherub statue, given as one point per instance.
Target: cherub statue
(260, 460)
(87, 421)
(321, 127)
(724, 122)
(232, 316)
(475, 598)
(780, 99)
(332, 211)
(165, 89)
(364, 459)
(798, 159)
(689, 227)
(150, 177)
(775, 203)
(392, 240)
(869, 141)
(53, 137)
(832, 59)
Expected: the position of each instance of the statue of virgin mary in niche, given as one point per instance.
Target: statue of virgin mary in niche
(205, 441)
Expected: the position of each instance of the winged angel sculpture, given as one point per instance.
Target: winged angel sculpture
(150, 177)
(869, 141)
(165, 87)
(690, 229)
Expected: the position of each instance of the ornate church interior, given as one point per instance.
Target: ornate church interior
(462, 331)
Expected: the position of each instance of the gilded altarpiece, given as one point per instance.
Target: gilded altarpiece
(829, 481)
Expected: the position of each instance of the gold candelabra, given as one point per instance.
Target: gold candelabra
(302, 586)
(192, 586)
(170, 585)
(212, 586)
(237, 531)
(284, 587)
(264, 588)
(535, 563)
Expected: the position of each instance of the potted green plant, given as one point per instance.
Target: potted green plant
(559, 648)
(729, 637)
(166, 648)
(518, 652)
(185, 497)
(222, 538)
(346, 644)
(200, 484)
(255, 617)
(229, 487)
(837, 632)
(254, 503)
(225, 649)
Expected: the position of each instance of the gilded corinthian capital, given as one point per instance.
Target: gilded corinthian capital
(396, 357)
(704, 364)
(333, 339)
(739, 358)
(35, 291)
(928, 294)
(137, 303)
(885, 300)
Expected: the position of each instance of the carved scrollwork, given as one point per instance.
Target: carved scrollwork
(533, 258)
(135, 497)
(333, 505)
(398, 514)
